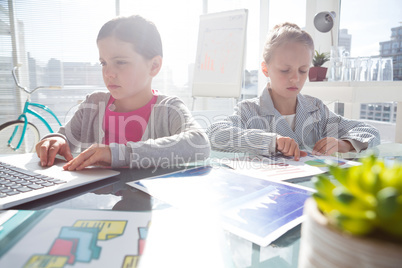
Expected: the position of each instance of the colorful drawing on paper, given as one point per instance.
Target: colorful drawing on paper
(79, 244)
(131, 261)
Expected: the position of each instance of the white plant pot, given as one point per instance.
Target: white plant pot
(322, 245)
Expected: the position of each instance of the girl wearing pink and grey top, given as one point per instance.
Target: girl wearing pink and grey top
(131, 125)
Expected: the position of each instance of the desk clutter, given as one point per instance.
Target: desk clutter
(255, 209)
(205, 204)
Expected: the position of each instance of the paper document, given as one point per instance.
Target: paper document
(284, 168)
(255, 209)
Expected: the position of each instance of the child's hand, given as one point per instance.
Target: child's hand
(289, 147)
(330, 145)
(97, 154)
(48, 148)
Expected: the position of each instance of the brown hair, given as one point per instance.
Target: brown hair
(135, 30)
(285, 33)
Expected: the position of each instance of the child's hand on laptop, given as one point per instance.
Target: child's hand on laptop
(97, 154)
(48, 148)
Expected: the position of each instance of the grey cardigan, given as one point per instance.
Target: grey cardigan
(255, 124)
(172, 136)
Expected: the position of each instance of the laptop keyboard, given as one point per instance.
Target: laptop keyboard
(14, 180)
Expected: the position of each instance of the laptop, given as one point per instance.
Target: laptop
(23, 179)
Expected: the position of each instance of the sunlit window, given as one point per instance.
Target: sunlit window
(178, 27)
(55, 45)
(56, 42)
(376, 30)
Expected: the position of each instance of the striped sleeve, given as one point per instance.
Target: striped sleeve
(360, 134)
(244, 131)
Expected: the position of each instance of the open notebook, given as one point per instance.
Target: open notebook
(22, 179)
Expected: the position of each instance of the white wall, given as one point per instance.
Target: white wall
(322, 41)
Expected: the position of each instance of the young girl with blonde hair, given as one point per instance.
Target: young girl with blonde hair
(282, 119)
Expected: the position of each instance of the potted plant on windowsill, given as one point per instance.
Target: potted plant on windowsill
(317, 72)
(355, 218)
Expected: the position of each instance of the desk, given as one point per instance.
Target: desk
(354, 93)
(237, 252)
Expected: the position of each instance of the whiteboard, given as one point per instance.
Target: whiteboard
(219, 63)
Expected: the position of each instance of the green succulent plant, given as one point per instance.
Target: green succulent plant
(320, 58)
(363, 199)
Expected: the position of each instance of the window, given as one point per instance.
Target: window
(7, 92)
(57, 42)
(371, 25)
(179, 32)
(56, 46)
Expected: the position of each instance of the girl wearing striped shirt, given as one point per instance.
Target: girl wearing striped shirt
(282, 119)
